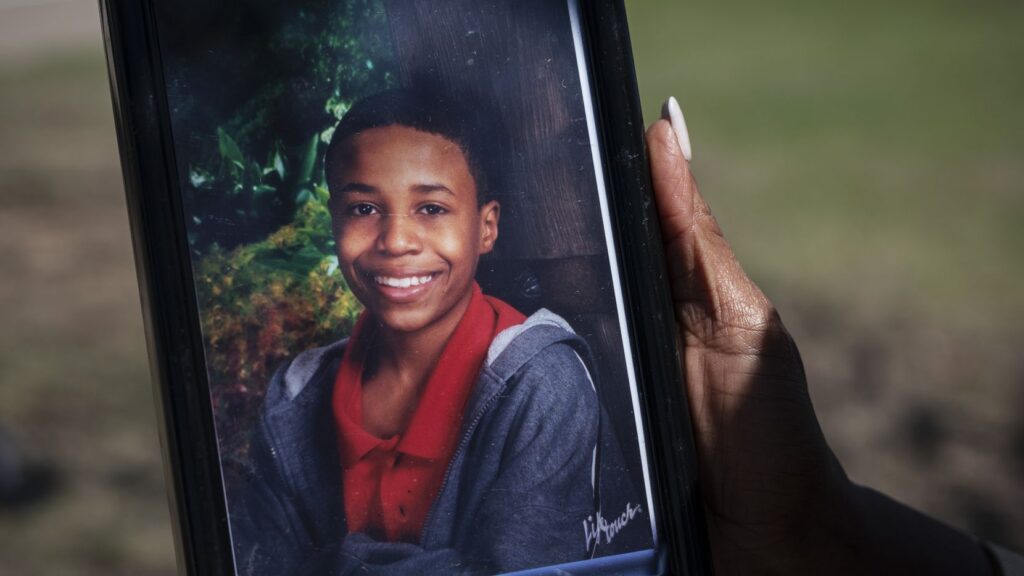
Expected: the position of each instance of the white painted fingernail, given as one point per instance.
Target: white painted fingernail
(670, 111)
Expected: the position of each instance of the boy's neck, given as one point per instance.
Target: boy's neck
(398, 366)
(412, 356)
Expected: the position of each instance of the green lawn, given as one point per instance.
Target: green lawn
(865, 150)
(864, 158)
(74, 381)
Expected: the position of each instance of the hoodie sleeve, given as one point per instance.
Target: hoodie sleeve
(265, 541)
(545, 491)
(273, 531)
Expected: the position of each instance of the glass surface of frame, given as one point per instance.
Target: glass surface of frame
(402, 263)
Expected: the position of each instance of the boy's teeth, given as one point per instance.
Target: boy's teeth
(403, 282)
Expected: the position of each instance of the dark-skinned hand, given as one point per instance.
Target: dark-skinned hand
(775, 497)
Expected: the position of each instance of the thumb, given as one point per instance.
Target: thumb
(709, 288)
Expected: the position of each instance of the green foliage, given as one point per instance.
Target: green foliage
(267, 274)
(264, 302)
(250, 195)
(322, 58)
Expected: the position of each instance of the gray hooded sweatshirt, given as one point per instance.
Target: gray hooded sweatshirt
(518, 493)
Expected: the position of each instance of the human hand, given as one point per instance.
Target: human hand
(770, 484)
(775, 497)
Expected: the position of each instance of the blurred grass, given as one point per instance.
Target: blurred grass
(865, 150)
(863, 159)
(74, 382)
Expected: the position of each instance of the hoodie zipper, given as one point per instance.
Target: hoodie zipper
(463, 443)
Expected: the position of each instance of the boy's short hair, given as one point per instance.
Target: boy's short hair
(466, 121)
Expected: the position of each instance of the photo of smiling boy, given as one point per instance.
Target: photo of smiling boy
(449, 433)
(410, 230)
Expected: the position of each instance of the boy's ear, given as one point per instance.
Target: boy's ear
(490, 213)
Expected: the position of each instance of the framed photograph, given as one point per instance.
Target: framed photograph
(403, 287)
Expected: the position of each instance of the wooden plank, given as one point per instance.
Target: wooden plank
(504, 48)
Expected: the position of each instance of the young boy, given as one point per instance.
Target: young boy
(449, 433)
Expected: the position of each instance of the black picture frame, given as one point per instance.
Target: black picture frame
(172, 316)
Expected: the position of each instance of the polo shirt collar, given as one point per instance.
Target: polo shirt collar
(438, 416)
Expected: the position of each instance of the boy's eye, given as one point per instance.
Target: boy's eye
(433, 210)
(362, 209)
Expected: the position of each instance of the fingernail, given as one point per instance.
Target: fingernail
(670, 111)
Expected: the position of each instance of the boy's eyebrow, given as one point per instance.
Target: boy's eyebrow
(432, 187)
(357, 187)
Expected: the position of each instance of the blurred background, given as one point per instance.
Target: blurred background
(863, 158)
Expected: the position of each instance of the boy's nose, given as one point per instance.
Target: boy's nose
(398, 235)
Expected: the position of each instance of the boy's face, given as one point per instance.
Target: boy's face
(408, 226)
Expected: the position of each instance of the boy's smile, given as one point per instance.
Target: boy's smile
(400, 286)
(408, 226)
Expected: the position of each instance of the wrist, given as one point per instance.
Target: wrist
(879, 535)
(837, 530)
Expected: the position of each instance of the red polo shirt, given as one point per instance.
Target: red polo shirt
(390, 483)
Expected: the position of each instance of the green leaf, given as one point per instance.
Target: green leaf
(327, 134)
(255, 172)
(336, 106)
(279, 163)
(295, 262)
(303, 196)
(322, 193)
(261, 189)
(199, 178)
(229, 149)
(309, 160)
